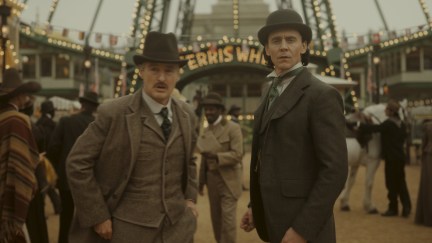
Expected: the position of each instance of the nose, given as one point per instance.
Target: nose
(162, 76)
(284, 44)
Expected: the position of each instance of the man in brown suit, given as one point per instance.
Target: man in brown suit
(221, 147)
(132, 174)
(299, 159)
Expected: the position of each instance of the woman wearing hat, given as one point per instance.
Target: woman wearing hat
(299, 158)
(393, 135)
(18, 156)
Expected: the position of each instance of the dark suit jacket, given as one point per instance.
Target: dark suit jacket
(299, 161)
(64, 136)
(392, 139)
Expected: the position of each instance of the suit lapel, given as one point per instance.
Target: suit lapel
(287, 100)
(134, 126)
(150, 122)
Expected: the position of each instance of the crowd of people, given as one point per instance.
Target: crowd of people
(129, 173)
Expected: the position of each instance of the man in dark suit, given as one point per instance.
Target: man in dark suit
(299, 158)
(132, 173)
(64, 136)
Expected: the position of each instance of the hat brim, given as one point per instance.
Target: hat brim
(212, 103)
(84, 99)
(305, 31)
(29, 88)
(140, 59)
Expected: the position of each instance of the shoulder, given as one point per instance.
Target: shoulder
(115, 105)
(185, 107)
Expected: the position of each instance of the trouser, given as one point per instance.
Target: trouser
(182, 231)
(223, 207)
(36, 222)
(396, 185)
(65, 215)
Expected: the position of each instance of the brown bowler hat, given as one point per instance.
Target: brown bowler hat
(284, 18)
(160, 47)
(13, 85)
(213, 98)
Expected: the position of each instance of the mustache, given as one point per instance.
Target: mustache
(160, 85)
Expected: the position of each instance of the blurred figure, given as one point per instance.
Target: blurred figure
(234, 112)
(393, 136)
(18, 157)
(63, 138)
(424, 201)
(221, 147)
(36, 221)
(47, 125)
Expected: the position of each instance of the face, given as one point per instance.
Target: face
(22, 100)
(212, 113)
(159, 80)
(285, 48)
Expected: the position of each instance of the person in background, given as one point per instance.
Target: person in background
(19, 157)
(296, 173)
(68, 130)
(36, 221)
(234, 112)
(221, 147)
(424, 200)
(393, 136)
(132, 173)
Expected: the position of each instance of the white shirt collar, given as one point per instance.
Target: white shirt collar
(274, 75)
(154, 106)
(217, 121)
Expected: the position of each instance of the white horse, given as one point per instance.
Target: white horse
(369, 156)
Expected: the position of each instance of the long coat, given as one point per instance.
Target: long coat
(299, 161)
(103, 158)
(229, 138)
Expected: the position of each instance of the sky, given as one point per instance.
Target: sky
(353, 16)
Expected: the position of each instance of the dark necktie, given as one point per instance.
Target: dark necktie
(166, 123)
(273, 92)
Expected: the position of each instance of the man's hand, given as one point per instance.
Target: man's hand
(190, 204)
(104, 229)
(247, 223)
(201, 189)
(292, 237)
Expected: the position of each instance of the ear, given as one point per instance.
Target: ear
(266, 49)
(304, 47)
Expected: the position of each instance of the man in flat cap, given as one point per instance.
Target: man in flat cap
(132, 173)
(19, 156)
(299, 158)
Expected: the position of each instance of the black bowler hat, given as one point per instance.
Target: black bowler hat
(90, 97)
(284, 18)
(214, 99)
(160, 47)
(13, 85)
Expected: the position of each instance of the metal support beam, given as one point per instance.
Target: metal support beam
(382, 16)
(284, 4)
(52, 10)
(185, 13)
(318, 15)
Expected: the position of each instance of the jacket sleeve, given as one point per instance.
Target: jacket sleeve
(326, 124)
(234, 155)
(90, 206)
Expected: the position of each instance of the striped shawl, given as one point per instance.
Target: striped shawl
(18, 160)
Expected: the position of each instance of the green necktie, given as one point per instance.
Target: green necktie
(273, 92)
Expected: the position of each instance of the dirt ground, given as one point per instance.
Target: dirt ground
(351, 227)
